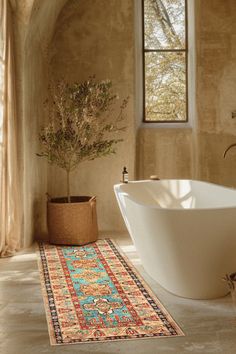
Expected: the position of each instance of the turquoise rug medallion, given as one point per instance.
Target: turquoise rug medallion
(92, 293)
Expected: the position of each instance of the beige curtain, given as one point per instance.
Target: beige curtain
(10, 204)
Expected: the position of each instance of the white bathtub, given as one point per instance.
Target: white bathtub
(184, 232)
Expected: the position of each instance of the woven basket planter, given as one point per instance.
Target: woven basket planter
(72, 223)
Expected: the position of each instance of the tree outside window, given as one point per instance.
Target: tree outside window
(165, 60)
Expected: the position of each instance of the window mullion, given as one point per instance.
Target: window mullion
(165, 88)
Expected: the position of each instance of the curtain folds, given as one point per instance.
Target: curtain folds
(10, 196)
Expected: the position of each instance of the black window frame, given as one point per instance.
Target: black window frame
(185, 50)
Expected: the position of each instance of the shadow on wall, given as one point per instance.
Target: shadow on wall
(39, 212)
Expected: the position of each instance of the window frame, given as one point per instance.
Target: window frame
(185, 50)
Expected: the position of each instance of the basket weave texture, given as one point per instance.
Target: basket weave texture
(72, 223)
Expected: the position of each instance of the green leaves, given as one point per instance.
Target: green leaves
(82, 117)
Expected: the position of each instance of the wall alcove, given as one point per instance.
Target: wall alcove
(73, 40)
(78, 38)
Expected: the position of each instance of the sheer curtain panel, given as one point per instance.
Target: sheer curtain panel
(10, 200)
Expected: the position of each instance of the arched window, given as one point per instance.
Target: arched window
(165, 61)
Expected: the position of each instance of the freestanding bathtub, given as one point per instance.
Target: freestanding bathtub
(184, 232)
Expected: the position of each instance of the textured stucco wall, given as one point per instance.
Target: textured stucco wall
(162, 149)
(34, 22)
(198, 152)
(216, 87)
(97, 37)
(166, 153)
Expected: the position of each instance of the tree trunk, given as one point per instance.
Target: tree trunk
(68, 185)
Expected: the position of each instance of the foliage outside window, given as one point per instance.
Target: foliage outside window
(165, 60)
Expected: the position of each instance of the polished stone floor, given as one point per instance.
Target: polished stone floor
(209, 326)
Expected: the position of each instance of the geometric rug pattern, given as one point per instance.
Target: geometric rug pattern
(92, 293)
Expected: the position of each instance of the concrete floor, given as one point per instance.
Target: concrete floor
(209, 326)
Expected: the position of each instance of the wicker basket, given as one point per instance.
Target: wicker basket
(72, 223)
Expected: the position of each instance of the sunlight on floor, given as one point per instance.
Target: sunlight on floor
(23, 257)
(209, 325)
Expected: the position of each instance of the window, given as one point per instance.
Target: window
(165, 59)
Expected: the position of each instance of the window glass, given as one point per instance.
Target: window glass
(165, 60)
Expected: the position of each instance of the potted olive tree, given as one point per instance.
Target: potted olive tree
(83, 123)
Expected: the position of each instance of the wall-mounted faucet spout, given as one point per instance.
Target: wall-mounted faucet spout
(228, 148)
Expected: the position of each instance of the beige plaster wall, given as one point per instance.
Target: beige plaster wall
(216, 87)
(198, 152)
(166, 153)
(33, 25)
(97, 37)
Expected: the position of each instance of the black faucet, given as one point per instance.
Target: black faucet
(228, 148)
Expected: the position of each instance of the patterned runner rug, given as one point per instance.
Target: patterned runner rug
(92, 293)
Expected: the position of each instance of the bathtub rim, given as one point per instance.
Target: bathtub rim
(117, 190)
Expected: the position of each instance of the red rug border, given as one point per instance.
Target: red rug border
(53, 342)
